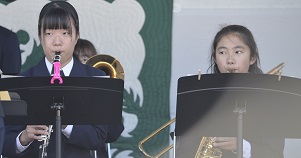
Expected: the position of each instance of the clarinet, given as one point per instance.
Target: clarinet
(45, 139)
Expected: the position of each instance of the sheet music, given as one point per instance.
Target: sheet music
(9, 76)
(102, 76)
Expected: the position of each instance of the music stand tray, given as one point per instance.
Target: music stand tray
(206, 107)
(270, 104)
(87, 100)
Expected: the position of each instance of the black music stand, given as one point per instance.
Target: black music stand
(79, 100)
(14, 108)
(218, 104)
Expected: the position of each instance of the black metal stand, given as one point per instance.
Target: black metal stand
(239, 111)
(58, 124)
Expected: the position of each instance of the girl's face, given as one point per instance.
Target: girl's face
(83, 58)
(59, 40)
(233, 55)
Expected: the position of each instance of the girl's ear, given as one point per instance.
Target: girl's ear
(77, 37)
(252, 60)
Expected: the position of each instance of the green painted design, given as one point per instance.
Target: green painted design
(36, 55)
(155, 78)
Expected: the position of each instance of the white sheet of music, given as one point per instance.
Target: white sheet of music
(102, 76)
(7, 76)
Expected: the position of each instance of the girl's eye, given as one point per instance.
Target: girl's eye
(222, 52)
(238, 52)
(48, 33)
(67, 33)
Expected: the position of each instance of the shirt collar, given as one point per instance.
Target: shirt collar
(66, 69)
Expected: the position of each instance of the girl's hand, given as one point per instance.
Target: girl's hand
(226, 143)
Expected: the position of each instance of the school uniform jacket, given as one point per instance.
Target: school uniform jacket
(10, 53)
(10, 63)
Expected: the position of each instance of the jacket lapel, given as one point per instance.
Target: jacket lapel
(78, 69)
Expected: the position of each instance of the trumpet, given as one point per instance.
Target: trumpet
(205, 149)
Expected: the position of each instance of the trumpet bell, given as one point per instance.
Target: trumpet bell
(110, 65)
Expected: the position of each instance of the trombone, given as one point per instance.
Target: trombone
(275, 71)
(153, 134)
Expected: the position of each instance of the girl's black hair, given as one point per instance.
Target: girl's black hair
(58, 15)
